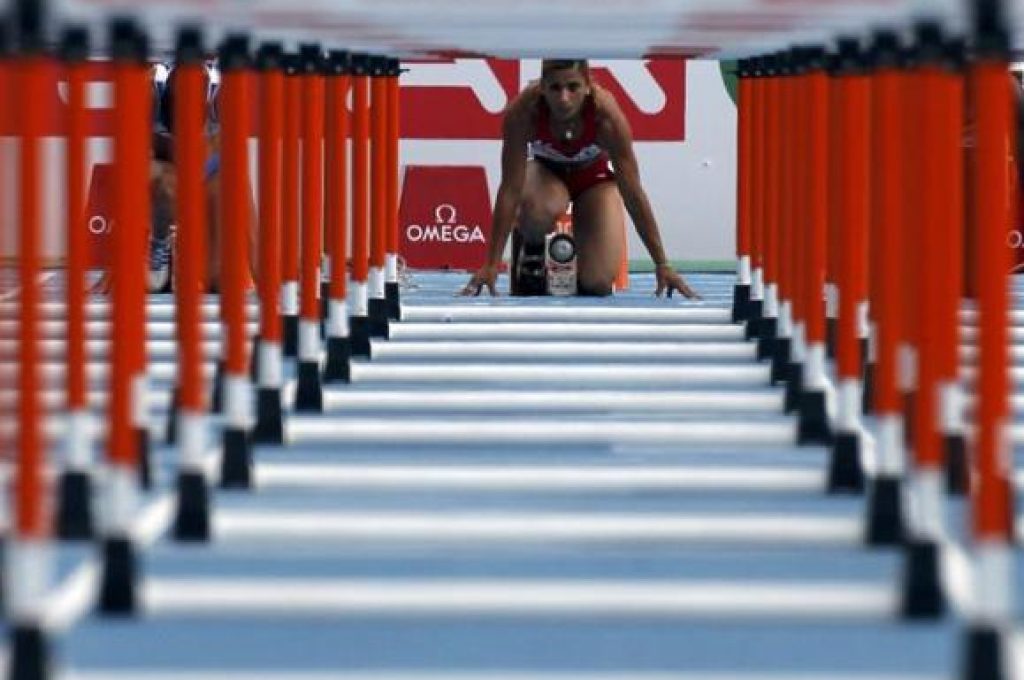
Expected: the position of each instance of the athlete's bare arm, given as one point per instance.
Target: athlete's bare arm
(615, 136)
(516, 130)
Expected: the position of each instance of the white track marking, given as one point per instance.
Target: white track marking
(490, 313)
(576, 351)
(566, 331)
(536, 478)
(664, 375)
(290, 598)
(772, 530)
(560, 401)
(313, 429)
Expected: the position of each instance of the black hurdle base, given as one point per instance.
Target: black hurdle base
(192, 521)
(813, 428)
(290, 326)
(309, 393)
(845, 474)
(831, 334)
(143, 449)
(393, 295)
(236, 461)
(769, 331)
(984, 656)
(74, 507)
(923, 596)
(868, 395)
(338, 368)
(755, 312)
(958, 473)
(119, 578)
(217, 391)
(325, 300)
(740, 302)
(171, 430)
(359, 335)
(794, 386)
(885, 523)
(30, 654)
(781, 360)
(269, 427)
(379, 326)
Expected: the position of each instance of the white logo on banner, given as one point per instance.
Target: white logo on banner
(446, 228)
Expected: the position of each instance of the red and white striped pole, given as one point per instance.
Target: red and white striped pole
(290, 206)
(359, 321)
(132, 137)
(192, 522)
(380, 213)
(29, 561)
(269, 428)
(391, 285)
(339, 344)
(885, 525)
(309, 390)
(987, 647)
(813, 423)
(75, 494)
(235, 218)
(852, 203)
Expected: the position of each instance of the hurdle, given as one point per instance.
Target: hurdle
(192, 521)
(741, 310)
(339, 344)
(129, 49)
(28, 561)
(267, 429)
(381, 215)
(359, 310)
(75, 493)
(309, 393)
(290, 205)
(392, 290)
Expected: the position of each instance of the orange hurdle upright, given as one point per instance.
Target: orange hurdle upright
(768, 326)
(235, 217)
(391, 284)
(75, 493)
(132, 138)
(780, 350)
(359, 321)
(813, 420)
(987, 653)
(309, 391)
(885, 524)
(269, 428)
(290, 206)
(758, 202)
(339, 344)
(744, 197)
(29, 562)
(192, 522)
(851, 200)
(380, 212)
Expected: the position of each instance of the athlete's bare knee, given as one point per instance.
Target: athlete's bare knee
(595, 286)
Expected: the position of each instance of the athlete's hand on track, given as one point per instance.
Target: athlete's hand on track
(486, 277)
(670, 281)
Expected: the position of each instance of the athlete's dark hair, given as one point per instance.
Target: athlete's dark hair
(549, 66)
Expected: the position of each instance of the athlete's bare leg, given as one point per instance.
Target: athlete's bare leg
(545, 198)
(598, 218)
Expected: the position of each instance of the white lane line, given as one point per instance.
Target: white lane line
(562, 374)
(54, 398)
(559, 401)
(97, 370)
(291, 598)
(490, 313)
(317, 429)
(56, 349)
(204, 674)
(762, 529)
(567, 331)
(536, 478)
(606, 351)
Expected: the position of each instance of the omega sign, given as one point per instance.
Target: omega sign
(446, 216)
(445, 229)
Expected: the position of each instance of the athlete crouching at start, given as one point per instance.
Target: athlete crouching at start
(561, 138)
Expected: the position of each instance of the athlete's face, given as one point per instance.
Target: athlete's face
(565, 91)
